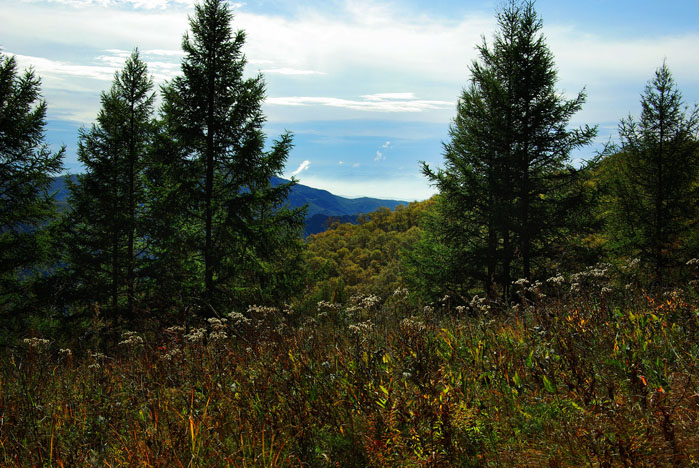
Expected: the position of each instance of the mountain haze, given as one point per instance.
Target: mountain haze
(323, 206)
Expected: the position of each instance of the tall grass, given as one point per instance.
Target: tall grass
(578, 374)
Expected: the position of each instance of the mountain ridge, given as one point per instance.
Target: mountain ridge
(323, 206)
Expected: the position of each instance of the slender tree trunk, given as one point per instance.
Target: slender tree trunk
(659, 198)
(525, 240)
(506, 262)
(492, 231)
(524, 200)
(115, 236)
(492, 252)
(209, 188)
(132, 210)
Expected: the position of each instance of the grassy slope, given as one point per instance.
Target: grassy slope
(588, 377)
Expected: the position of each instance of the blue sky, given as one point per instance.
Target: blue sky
(367, 87)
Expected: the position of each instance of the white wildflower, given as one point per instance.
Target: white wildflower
(37, 344)
(326, 306)
(412, 324)
(480, 304)
(173, 354)
(361, 329)
(262, 310)
(556, 280)
(238, 319)
(218, 335)
(129, 338)
(521, 282)
(196, 335)
(633, 263)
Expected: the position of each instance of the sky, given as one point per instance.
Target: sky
(368, 88)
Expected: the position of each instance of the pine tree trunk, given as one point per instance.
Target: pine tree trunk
(208, 197)
(492, 251)
(132, 212)
(115, 238)
(524, 199)
(659, 199)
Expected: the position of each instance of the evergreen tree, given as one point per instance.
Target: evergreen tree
(105, 240)
(508, 190)
(656, 179)
(234, 219)
(26, 169)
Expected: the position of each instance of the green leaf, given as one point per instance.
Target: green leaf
(548, 385)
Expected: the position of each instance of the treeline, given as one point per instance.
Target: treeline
(174, 210)
(513, 205)
(174, 216)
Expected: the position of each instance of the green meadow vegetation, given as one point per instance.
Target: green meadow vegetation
(580, 372)
(532, 313)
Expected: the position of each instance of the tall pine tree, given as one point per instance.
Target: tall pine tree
(27, 166)
(508, 190)
(105, 239)
(655, 182)
(236, 220)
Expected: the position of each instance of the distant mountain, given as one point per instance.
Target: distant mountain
(59, 186)
(323, 207)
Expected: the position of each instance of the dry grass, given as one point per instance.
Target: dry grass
(586, 378)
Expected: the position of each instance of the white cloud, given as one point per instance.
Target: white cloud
(380, 155)
(291, 71)
(94, 25)
(167, 53)
(357, 44)
(53, 69)
(47, 67)
(384, 96)
(356, 165)
(377, 105)
(138, 4)
(409, 188)
(340, 163)
(302, 167)
(366, 36)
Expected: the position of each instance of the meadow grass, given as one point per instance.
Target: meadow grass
(579, 374)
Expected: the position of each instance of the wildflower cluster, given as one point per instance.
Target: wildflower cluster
(401, 293)
(37, 344)
(479, 305)
(361, 331)
(131, 339)
(239, 320)
(218, 329)
(195, 335)
(412, 325)
(556, 280)
(595, 276)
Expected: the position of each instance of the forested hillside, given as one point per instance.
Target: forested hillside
(165, 307)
